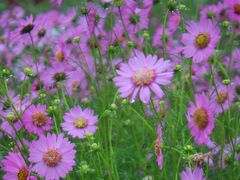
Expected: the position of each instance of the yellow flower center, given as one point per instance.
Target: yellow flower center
(202, 40)
(39, 119)
(236, 8)
(22, 174)
(52, 157)
(200, 118)
(80, 123)
(156, 147)
(143, 76)
(60, 56)
(222, 97)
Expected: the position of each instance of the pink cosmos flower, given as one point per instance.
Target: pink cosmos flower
(53, 156)
(225, 93)
(78, 122)
(201, 40)
(196, 174)
(158, 36)
(158, 149)
(53, 75)
(174, 21)
(142, 74)
(227, 155)
(77, 82)
(15, 167)
(209, 12)
(201, 119)
(25, 27)
(135, 19)
(35, 119)
(234, 9)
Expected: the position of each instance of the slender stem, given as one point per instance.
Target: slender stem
(123, 24)
(164, 40)
(64, 98)
(143, 119)
(215, 85)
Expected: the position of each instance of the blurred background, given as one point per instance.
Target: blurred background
(35, 6)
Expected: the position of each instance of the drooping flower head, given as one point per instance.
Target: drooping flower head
(223, 99)
(196, 174)
(201, 119)
(36, 120)
(15, 167)
(21, 34)
(53, 156)
(142, 74)
(201, 40)
(78, 122)
(158, 149)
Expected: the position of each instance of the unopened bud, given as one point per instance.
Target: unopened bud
(226, 82)
(76, 39)
(28, 71)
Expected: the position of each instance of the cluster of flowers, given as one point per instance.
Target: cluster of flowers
(76, 52)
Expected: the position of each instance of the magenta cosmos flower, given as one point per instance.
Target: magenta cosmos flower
(78, 122)
(53, 156)
(201, 119)
(196, 174)
(15, 167)
(36, 120)
(24, 28)
(224, 99)
(135, 19)
(201, 40)
(158, 149)
(234, 9)
(142, 74)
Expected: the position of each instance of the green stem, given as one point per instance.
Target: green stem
(143, 119)
(215, 85)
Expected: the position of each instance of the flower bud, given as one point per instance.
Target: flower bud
(6, 73)
(42, 95)
(226, 82)
(172, 5)
(226, 24)
(95, 146)
(28, 71)
(56, 101)
(88, 135)
(84, 168)
(188, 148)
(113, 106)
(124, 101)
(111, 49)
(131, 44)
(50, 109)
(146, 35)
(11, 117)
(178, 68)
(182, 7)
(76, 39)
